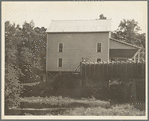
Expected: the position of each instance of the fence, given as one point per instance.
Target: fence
(131, 74)
(113, 69)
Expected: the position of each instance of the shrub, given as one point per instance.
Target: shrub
(98, 93)
(12, 86)
(64, 81)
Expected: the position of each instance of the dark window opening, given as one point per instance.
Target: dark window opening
(60, 47)
(98, 47)
(60, 62)
(99, 60)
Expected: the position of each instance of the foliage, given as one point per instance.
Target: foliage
(26, 47)
(121, 110)
(66, 81)
(41, 89)
(65, 102)
(79, 107)
(12, 86)
(128, 31)
(25, 54)
(96, 92)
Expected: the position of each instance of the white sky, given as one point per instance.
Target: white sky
(43, 12)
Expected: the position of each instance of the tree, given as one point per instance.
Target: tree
(25, 52)
(12, 70)
(129, 28)
(128, 31)
(12, 86)
(102, 16)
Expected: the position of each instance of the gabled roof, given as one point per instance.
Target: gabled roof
(125, 43)
(80, 26)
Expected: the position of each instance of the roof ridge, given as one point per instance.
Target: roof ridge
(79, 25)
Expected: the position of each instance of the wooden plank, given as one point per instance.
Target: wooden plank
(116, 70)
(138, 57)
(81, 69)
(94, 69)
(133, 92)
(85, 69)
(51, 75)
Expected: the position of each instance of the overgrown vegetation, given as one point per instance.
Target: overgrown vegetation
(25, 53)
(128, 31)
(122, 110)
(25, 59)
(78, 107)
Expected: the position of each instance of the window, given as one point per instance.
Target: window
(98, 59)
(60, 62)
(98, 47)
(60, 47)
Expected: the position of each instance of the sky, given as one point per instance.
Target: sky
(43, 12)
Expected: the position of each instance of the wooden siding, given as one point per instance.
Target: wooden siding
(117, 45)
(76, 47)
(122, 53)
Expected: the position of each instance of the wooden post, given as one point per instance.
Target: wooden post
(98, 69)
(81, 77)
(138, 57)
(94, 69)
(124, 80)
(85, 69)
(46, 76)
(125, 91)
(81, 69)
(135, 58)
(133, 92)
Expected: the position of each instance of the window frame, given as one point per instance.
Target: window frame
(58, 63)
(100, 47)
(62, 47)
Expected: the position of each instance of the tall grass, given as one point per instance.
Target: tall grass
(81, 107)
(121, 110)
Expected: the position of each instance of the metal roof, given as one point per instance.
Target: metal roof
(80, 26)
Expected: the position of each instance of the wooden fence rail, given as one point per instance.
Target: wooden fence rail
(113, 69)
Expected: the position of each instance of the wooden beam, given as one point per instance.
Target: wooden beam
(135, 58)
(138, 57)
(51, 75)
(136, 54)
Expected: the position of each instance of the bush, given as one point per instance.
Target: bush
(12, 86)
(64, 81)
(98, 93)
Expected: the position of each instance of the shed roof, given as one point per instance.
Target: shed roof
(120, 41)
(80, 26)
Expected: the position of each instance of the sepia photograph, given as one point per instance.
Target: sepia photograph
(74, 60)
